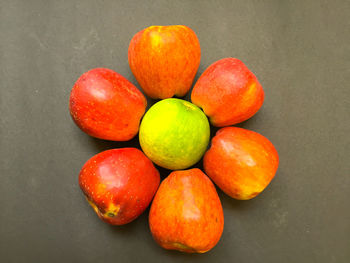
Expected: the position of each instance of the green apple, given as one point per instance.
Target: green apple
(174, 133)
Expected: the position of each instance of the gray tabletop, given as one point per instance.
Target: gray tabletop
(299, 51)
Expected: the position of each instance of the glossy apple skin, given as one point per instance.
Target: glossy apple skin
(119, 184)
(174, 133)
(228, 92)
(241, 162)
(106, 105)
(186, 213)
(164, 60)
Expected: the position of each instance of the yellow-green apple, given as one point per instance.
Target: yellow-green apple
(186, 213)
(228, 92)
(119, 184)
(106, 105)
(174, 133)
(164, 60)
(241, 162)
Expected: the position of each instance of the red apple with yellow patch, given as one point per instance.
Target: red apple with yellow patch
(164, 60)
(119, 184)
(106, 105)
(186, 213)
(241, 162)
(228, 92)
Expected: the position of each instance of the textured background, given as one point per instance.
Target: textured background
(299, 50)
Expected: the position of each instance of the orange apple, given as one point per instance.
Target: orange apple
(164, 60)
(186, 213)
(228, 92)
(241, 162)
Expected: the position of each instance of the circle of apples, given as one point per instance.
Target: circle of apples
(186, 212)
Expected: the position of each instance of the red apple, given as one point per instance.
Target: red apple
(228, 92)
(186, 213)
(119, 184)
(241, 162)
(164, 60)
(106, 105)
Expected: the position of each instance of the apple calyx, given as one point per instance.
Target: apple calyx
(183, 247)
(111, 212)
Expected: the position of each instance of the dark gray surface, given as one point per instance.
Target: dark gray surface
(298, 49)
